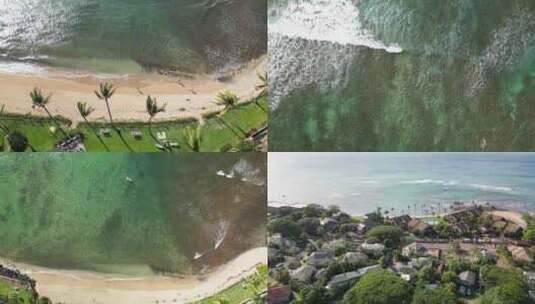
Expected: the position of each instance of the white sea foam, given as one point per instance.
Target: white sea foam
(325, 20)
(490, 188)
(275, 204)
(486, 188)
(23, 68)
(222, 230)
(313, 42)
(431, 181)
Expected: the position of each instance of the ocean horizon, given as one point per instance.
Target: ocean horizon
(402, 183)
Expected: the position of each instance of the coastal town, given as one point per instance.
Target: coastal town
(472, 253)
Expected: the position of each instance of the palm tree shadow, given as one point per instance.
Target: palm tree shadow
(124, 140)
(103, 143)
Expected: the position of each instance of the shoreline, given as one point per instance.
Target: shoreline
(87, 287)
(501, 210)
(185, 96)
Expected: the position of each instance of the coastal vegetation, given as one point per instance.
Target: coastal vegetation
(250, 290)
(18, 288)
(140, 215)
(227, 130)
(470, 254)
(12, 295)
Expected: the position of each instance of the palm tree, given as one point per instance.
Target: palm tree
(229, 100)
(263, 88)
(193, 138)
(85, 110)
(105, 92)
(18, 142)
(39, 101)
(152, 110)
(3, 127)
(255, 284)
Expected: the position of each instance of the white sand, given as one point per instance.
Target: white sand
(84, 287)
(184, 97)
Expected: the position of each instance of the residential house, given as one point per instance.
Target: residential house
(513, 231)
(373, 249)
(419, 227)
(279, 295)
(303, 273)
(292, 262)
(355, 258)
(467, 282)
(348, 278)
(414, 249)
(403, 268)
(329, 224)
(531, 284)
(520, 254)
(320, 258)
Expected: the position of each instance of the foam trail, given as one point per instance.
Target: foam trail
(491, 188)
(221, 233)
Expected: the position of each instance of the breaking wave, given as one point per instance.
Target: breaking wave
(452, 183)
(314, 42)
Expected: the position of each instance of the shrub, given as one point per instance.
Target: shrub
(285, 227)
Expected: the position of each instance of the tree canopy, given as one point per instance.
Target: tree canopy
(390, 236)
(503, 286)
(433, 296)
(285, 227)
(379, 287)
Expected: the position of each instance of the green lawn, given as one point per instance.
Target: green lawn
(8, 292)
(215, 135)
(242, 290)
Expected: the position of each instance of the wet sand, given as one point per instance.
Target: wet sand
(184, 96)
(85, 287)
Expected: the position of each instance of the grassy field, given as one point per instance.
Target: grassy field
(8, 292)
(241, 291)
(215, 135)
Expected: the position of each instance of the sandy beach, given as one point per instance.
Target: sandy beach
(184, 96)
(85, 287)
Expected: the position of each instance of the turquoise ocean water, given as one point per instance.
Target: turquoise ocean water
(415, 183)
(135, 213)
(402, 75)
(131, 36)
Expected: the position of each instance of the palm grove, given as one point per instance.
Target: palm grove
(16, 141)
